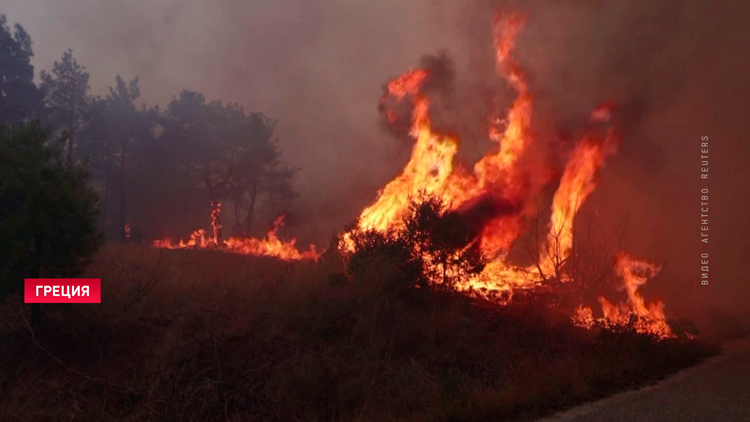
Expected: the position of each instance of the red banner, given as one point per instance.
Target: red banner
(62, 290)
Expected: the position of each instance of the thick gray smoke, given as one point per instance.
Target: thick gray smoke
(677, 70)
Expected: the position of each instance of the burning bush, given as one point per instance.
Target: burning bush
(433, 246)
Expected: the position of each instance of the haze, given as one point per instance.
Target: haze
(678, 70)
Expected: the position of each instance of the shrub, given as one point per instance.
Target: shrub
(433, 247)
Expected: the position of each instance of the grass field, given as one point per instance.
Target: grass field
(199, 335)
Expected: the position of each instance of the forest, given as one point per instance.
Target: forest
(157, 171)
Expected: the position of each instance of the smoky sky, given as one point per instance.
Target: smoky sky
(677, 70)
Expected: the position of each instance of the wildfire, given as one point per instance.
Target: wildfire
(577, 183)
(270, 246)
(644, 318)
(502, 178)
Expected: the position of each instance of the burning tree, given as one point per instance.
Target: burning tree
(446, 241)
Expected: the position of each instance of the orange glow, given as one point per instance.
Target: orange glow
(577, 183)
(643, 317)
(504, 173)
(270, 246)
(507, 175)
(500, 174)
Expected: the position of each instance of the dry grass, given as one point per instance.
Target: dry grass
(193, 336)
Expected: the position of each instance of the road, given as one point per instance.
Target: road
(717, 390)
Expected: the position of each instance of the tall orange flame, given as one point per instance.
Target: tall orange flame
(643, 317)
(431, 169)
(502, 174)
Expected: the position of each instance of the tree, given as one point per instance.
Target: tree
(127, 127)
(445, 239)
(48, 210)
(261, 182)
(229, 155)
(19, 97)
(66, 96)
(386, 257)
(114, 136)
(580, 274)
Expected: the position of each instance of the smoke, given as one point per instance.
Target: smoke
(317, 66)
(675, 68)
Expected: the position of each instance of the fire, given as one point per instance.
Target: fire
(216, 222)
(643, 317)
(504, 175)
(500, 175)
(577, 183)
(428, 169)
(270, 246)
(503, 178)
(431, 168)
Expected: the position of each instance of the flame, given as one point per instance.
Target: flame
(428, 169)
(505, 175)
(577, 183)
(643, 317)
(500, 174)
(431, 167)
(270, 246)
